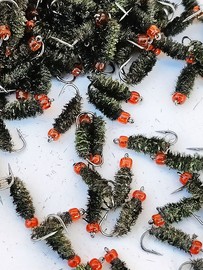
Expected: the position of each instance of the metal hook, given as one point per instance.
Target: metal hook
(168, 5)
(169, 132)
(72, 85)
(65, 81)
(3, 90)
(184, 38)
(178, 190)
(197, 14)
(195, 148)
(4, 181)
(183, 264)
(10, 1)
(123, 10)
(122, 74)
(111, 64)
(198, 218)
(146, 249)
(64, 42)
(103, 232)
(50, 6)
(23, 141)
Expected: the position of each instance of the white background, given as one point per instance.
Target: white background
(47, 170)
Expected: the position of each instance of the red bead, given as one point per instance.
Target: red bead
(34, 44)
(101, 19)
(123, 141)
(74, 213)
(20, 94)
(76, 72)
(134, 97)
(74, 262)
(190, 59)
(179, 98)
(111, 255)
(140, 195)
(96, 159)
(54, 134)
(126, 162)
(143, 40)
(5, 32)
(185, 177)
(44, 101)
(100, 66)
(78, 167)
(157, 51)
(196, 8)
(31, 223)
(160, 159)
(85, 118)
(153, 31)
(95, 264)
(196, 247)
(93, 228)
(158, 220)
(124, 117)
(30, 24)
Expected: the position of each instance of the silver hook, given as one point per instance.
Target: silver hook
(178, 190)
(3, 90)
(4, 181)
(168, 5)
(183, 264)
(184, 38)
(197, 14)
(198, 218)
(23, 141)
(52, 3)
(146, 249)
(169, 132)
(39, 39)
(10, 1)
(103, 232)
(122, 74)
(64, 42)
(71, 85)
(195, 148)
(123, 10)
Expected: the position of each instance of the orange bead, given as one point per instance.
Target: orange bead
(160, 159)
(143, 40)
(20, 94)
(40, 97)
(153, 31)
(76, 72)
(111, 255)
(93, 228)
(134, 97)
(190, 59)
(196, 8)
(157, 51)
(74, 213)
(31, 223)
(140, 195)
(179, 98)
(100, 66)
(196, 247)
(45, 103)
(96, 159)
(123, 141)
(158, 220)
(185, 177)
(101, 19)
(54, 134)
(124, 117)
(126, 162)
(5, 32)
(85, 118)
(95, 264)
(78, 167)
(34, 44)
(74, 262)
(30, 24)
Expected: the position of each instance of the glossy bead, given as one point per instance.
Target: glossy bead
(101, 19)
(190, 59)
(179, 98)
(21, 95)
(45, 103)
(78, 167)
(74, 262)
(40, 97)
(158, 220)
(153, 31)
(85, 118)
(124, 117)
(30, 24)
(76, 72)
(134, 97)
(74, 213)
(123, 141)
(31, 223)
(160, 159)
(157, 51)
(196, 8)
(185, 177)
(126, 162)
(34, 44)
(5, 32)
(93, 228)
(143, 40)
(111, 255)
(54, 134)
(196, 247)
(95, 264)
(140, 195)
(100, 66)
(96, 159)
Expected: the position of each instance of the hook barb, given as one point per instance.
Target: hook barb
(169, 132)
(4, 182)
(146, 249)
(195, 148)
(103, 231)
(23, 141)
(178, 190)
(197, 218)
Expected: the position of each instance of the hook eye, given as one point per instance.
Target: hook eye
(184, 39)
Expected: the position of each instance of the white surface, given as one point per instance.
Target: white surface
(48, 173)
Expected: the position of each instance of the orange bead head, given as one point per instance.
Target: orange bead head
(139, 194)
(179, 98)
(126, 162)
(35, 44)
(5, 32)
(74, 262)
(196, 247)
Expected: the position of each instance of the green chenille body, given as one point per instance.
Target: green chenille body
(195, 186)
(150, 146)
(173, 236)
(83, 140)
(196, 264)
(140, 68)
(22, 199)
(189, 4)
(117, 264)
(129, 214)
(109, 106)
(123, 179)
(175, 212)
(68, 115)
(196, 48)
(186, 80)
(21, 109)
(94, 207)
(98, 135)
(5, 138)
(111, 87)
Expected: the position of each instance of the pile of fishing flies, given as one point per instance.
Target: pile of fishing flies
(43, 39)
